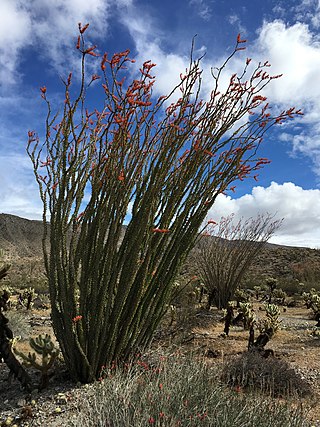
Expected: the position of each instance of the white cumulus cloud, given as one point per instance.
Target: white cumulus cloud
(294, 51)
(51, 27)
(15, 31)
(299, 208)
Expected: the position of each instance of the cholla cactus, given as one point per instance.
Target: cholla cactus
(44, 347)
(29, 295)
(249, 317)
(307, 297)
(279, 296)
(312, 300)
(4, 270)
(7, 289)
(316, 332)
(271, 321)
(257, 290)
(267, 328)
(241, 296)
(271, 283)
(25, 299)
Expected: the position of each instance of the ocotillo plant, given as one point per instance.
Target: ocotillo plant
(225, 252)
(164, 165)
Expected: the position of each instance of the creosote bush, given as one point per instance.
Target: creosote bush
(176, 391)
(157, 163)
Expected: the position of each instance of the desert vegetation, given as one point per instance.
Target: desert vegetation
(179, 390)
(225, 252)
(193, 374)
(93, 165)
(126, 191)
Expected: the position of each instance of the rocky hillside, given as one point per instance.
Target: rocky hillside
(21, 241)
(287, 263)
(20, 237)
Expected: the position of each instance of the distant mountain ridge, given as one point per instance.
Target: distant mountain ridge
(22, 238)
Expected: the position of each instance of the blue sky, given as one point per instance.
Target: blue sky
(37, 47)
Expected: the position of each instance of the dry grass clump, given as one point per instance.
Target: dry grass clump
(176, 391)
(269, 375)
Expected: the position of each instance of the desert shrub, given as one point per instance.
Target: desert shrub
(42, 301)
(256, 285)
(177, 391)
(292, 286)
(4, 268)
(307, 272)
(271, 376)
(40, 285)
(18, 323)
(184, 291)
